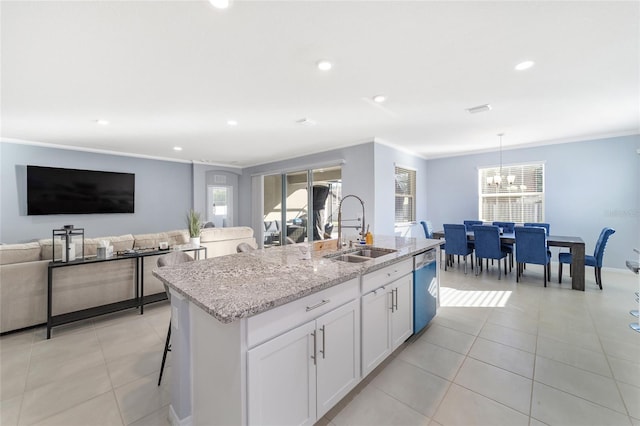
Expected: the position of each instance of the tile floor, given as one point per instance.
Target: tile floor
(497, 353)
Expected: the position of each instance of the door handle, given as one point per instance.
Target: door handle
(324, 348)
(395, 305)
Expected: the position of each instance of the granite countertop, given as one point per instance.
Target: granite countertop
(245, 284)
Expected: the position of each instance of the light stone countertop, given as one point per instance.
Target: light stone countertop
(245, 284)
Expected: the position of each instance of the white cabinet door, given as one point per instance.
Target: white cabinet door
(375, 328)
(338, 354)
(402, 312)
(282, 379)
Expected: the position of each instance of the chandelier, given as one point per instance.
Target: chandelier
(498, 178)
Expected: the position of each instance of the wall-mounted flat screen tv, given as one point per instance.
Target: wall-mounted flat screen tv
(52, 190)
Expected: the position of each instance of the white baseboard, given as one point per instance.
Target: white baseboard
(175, 421)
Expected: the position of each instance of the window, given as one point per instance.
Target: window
(405, 195)
(517, 196)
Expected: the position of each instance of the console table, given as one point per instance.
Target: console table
(138, 301)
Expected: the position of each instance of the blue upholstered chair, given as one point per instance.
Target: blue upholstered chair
(595, 260)
(471, 223)
(507, 228)
(428, 233)
(531, 247)
(455, 237)
(546, 226)
(488, 246)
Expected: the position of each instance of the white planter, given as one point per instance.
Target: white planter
(194, 241)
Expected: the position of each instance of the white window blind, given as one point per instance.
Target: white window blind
(405, 195)
(519, 197)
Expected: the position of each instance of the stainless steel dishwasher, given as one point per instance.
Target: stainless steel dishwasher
(425, 289)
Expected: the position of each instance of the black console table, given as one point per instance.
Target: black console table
(138, 301)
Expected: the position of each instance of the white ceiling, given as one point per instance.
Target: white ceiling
(171, 73)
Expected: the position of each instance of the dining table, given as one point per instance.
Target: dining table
(574, 244)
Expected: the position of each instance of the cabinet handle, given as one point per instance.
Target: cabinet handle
(391, 301)
(395, 304)
(317, 305)
(313, 357)
(324, 348)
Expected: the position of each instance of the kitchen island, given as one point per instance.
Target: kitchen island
(281, 335)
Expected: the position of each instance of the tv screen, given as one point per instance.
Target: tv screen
(52, 190)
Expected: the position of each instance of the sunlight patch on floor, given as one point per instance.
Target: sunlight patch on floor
(473, 298)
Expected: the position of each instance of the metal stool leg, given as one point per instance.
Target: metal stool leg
(167, 348)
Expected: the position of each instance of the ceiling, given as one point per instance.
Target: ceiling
(172, 73)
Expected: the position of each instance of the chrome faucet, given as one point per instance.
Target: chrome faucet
(362, 227)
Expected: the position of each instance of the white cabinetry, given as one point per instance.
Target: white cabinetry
(387, 312)
(296, 377)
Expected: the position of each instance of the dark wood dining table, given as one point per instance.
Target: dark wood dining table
(575, 245)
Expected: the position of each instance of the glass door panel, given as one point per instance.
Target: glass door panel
(297, 206)
(273, 211)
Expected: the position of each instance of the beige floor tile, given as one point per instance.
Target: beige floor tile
(505, 357)
(585, 340)
(462, 407)
(141, 398)
(448, 338)
(468, 325)
(412, 386)
(584, 384)
(99, 411)
(14, 367)
(534, 422)
(500, 385)
(432, 358)
(631, 398)
(634, 421)
(124, 339)
(157, 418)
(137, 365)
(63, 330)
(627, 349)
(52, 398)
(10, 410)
(373, 407)
(514, 320)
(509, 336)
(20, 340)
(585, 359)
(626, 371)
(555, 407)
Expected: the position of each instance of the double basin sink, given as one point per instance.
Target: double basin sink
(358, 255)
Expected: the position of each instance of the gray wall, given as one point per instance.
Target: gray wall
(588, 185)
(357, 177)
(386, 159)
(162, 198)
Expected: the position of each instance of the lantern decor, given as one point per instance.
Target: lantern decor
(67, 234)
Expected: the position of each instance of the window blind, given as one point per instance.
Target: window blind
(405, 202)
(521, 200)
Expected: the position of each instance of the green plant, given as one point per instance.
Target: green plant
(193, 223)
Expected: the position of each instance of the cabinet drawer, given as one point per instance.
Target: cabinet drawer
(383, 276)
(274, 322)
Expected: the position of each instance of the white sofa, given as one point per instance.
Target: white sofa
(23, 273)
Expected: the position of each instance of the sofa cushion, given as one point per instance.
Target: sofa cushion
(179, 236)
(18, 253)
(223, 234)
(149, 240)
(119, 243)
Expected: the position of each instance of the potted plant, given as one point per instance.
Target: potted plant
(193, 223)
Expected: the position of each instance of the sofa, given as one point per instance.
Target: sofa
(23, 273)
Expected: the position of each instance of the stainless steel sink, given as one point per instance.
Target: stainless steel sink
(351, 258)
(361, 254)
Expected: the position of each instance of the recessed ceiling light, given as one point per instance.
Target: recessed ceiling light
(479, 108)
(524, 65)
(102, 122)
(177, 148)
(379, 98)
(232, 123)
(324, 65)
(306, 122)
(220, 4)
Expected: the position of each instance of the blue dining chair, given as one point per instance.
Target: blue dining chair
(455, 237)
(531, 247)
(507, 228)
(546, 226)
(595, 260)
(428, 233)
(488, 246)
